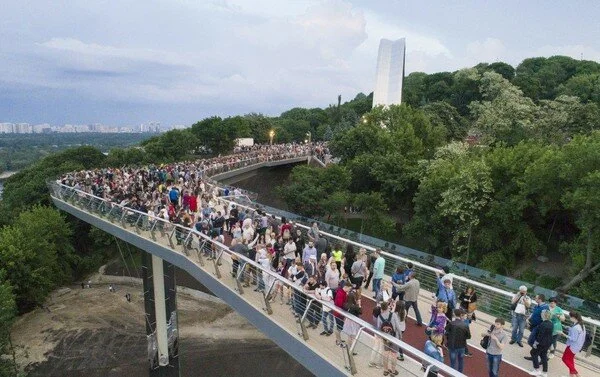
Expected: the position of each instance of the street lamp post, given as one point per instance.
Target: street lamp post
(271, 135)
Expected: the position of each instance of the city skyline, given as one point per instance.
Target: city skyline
(179, 61)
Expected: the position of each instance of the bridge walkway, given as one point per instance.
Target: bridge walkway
(153, 234)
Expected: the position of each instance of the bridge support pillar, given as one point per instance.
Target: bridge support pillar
(161, 316)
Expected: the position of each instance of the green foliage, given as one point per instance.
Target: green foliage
(317, 192)
(8, 313)
(18, 151)
(37, 254)
(504, 116)
(27, 188)
(173, 145)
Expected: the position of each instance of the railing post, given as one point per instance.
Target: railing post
(136, 226)
(589, 350)
(347, 351)
(185, 243)
(239, 276)
(152, 231)
(170, 237)
(216, 262)
(266, 297)
(300, 320)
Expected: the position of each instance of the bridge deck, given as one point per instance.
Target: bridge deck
(281, 316)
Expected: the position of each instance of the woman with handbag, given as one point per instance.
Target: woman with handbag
(494, 346)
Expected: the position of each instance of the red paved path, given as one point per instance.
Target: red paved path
(475, 366)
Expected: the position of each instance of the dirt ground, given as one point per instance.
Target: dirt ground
(93, 332)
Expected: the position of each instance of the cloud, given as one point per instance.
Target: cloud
(102, 53)
(489, 50)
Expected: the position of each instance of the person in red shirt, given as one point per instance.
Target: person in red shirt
(193, 202)
(341, 295)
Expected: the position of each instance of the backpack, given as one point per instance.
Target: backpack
(587, 342)
(386, 325)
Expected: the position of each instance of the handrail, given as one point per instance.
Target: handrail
(224, 248)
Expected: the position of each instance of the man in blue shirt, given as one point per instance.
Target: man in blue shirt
(536, 317)
(446, 293)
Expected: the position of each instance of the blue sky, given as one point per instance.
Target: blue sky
(178, 61)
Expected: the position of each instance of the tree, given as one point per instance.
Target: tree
(505, 115)
(506, 70)
(27, 188)
(375, 220)
(37, 255)
(464, 201)
(316, 192)
(8, 313)
(584, 86)
(585, 200)
(214, 136)
(445, 116)
(414, 90)
(465, 89)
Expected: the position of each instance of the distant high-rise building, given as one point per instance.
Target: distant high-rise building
(390, 72)
(7, 128)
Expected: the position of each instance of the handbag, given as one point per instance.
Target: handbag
(472, 307)
(520, 309)
(485, 342)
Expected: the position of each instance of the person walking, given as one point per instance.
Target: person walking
(535, 319)
(411, 294)
(520, 304)
(575, 341)
(541, 344)
(558, 315)
(457, 333)
(498, 340)
(378, 269)
(359, 269)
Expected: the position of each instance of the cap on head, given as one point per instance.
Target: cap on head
(523, 288)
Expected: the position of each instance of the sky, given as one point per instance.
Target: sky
(129, 62)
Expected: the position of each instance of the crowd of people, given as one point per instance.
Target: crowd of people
(182, 193)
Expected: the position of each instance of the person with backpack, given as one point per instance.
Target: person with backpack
(390, 349)
(575, 342)
(399, 322)
(381, 314)
(325, 294)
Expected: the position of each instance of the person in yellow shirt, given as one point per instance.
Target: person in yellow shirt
(337, 255)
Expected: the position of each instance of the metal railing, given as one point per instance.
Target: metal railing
(492, 300)
(235, 270)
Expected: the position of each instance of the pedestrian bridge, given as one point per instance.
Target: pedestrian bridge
(317, 353)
